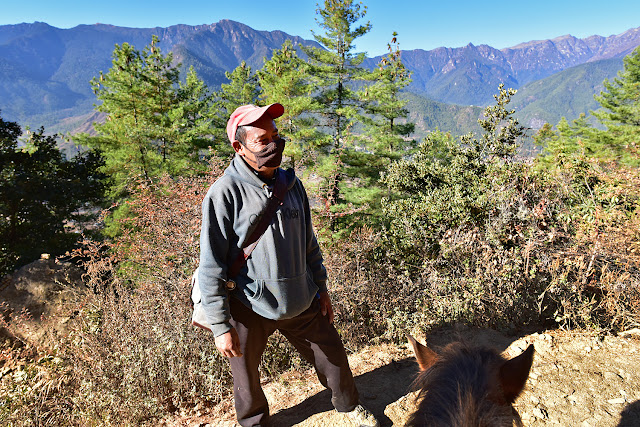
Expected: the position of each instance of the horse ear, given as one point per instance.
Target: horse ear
(424, 355)
(514, 374)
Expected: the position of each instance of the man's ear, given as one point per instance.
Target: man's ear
(237, 146)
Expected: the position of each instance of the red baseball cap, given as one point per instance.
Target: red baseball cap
(247, 114)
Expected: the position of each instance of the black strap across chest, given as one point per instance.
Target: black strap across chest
(280, 188)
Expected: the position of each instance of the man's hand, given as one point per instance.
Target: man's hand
(325, 305)
(229, 344)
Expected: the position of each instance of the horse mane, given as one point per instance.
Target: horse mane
(462, 388)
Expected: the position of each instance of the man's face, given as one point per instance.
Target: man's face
(259, 134)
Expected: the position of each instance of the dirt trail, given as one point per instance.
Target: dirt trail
(577, 379)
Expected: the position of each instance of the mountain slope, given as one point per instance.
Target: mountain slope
(565, 94)
(467, 76)
(429, 115)
(470, 75)
(45, 71)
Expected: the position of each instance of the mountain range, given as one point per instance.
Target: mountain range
(45, 71)
(471, 74)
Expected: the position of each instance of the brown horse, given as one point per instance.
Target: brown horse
(470, 387)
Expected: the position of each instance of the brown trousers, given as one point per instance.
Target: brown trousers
(313, 337)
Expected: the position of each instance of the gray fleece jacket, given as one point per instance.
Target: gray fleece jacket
(285, 270)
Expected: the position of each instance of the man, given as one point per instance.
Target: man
(282, 285)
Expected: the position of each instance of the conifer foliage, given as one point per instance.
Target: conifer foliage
(242, 89)
(286, 78)
(337, 65)
(41, 193)
(385, 129)
(385, 122)
(620, 111)
(153, 123)
(337, 68)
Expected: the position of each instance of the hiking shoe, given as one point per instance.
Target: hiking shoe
(362, 417)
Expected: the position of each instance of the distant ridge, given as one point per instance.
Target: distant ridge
(564, 94)
(470, 75)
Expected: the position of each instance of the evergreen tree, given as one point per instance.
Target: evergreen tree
(191, 122)
(384, 136)
(568, 140)
(384, 106)
(337, 67)
(242, 89)
(285, 78)
(150, 125)
(501, 130)
(620, 113)
(41, 193)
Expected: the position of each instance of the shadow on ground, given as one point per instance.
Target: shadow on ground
(630, 416)
(378, 389)
(385, 385)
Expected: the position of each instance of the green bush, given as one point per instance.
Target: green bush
(477, 236)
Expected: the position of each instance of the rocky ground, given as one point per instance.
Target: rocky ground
(577, 379)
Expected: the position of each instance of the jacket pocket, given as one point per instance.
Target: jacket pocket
(283, 298)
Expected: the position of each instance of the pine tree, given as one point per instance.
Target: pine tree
(620, 113)
(384, 106)
(501, 130)
(242, 89)
(161, 79)
(191, 122)
(146, 131)
(285, 78)
(337, 67)
(569, 140)
(385, 128)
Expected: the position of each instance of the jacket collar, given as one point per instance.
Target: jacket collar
(242, 170)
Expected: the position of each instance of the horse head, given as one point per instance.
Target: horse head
(468, 386)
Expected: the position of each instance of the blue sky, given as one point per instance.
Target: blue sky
(421, 24)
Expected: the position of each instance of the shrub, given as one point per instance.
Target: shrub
(479, 237)
(552, 250)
